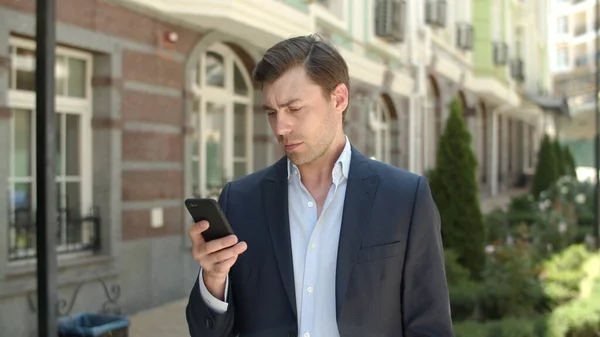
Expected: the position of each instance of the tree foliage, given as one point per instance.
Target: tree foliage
(547, 168)
(455, 190)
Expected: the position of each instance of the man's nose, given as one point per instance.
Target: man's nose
(283, 125)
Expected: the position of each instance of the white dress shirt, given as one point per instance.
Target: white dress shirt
(314, 241)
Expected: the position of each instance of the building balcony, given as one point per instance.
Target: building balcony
(580, 30)
(262, 22)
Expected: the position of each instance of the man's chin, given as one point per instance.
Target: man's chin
(296, 158)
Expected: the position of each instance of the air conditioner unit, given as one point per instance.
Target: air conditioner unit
(516, 70)
(500, 53)
(464, 36)
(435, 13)
(390, 19)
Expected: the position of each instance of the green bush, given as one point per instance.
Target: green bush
(561, 164)
(510, 286)
(496, 226)
(563, 273)
(528, 218)
(470, 329)
(455, 190)
(522, 204)
(464, 293)
(578, 318)
(546, 171)
(552, 234)
(585, 219)
(569, 161)
(510, 327)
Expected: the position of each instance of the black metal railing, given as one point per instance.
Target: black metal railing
(75, 233)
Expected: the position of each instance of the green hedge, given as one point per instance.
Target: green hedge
(563, 274)
(510, 327)
(585, 219)
(578, 318)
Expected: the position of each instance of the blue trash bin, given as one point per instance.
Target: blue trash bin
(93, 325)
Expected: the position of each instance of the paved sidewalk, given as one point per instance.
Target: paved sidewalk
(164, 321)
(501, 200)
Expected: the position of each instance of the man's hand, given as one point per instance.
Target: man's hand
(215, 257)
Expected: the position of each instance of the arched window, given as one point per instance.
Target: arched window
(379, 118)
(222, 144)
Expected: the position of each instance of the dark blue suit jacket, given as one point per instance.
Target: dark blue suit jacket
(390, 278)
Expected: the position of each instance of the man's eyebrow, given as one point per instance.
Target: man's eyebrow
(284, 104)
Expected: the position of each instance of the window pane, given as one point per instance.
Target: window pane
(215, 127)
(195, 175)
(24, 63)
(194, 148)
(61, 75)
(77, 74)
(239, 119)
(239, 84)
(22, 233)
(195, 138)
(73, 199)
(72, 145)
(215, 70)
(239, 170)
(22, 146)
(58, 143)
(384, 150)
(21, 197)
(61, 207)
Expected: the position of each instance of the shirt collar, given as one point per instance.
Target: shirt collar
(341, 165)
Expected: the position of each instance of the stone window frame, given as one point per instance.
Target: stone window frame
(80, 106)
(204, 94)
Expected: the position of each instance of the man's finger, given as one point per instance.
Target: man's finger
(197, 229)
(225, 254)
(219, 244)
(224, 266)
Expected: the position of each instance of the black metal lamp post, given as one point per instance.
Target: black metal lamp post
(46, 162)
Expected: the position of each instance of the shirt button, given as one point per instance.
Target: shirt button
(312, 246)
(306, 334)
(309, 289)
(310, 204)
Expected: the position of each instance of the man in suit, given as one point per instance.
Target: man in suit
(327, 242)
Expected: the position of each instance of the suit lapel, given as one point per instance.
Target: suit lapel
(360, 192)
(275, 200)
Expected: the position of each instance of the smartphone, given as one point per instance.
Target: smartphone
(209, 210)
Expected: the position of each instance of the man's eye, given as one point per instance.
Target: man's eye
(270, 112)
(295, 109)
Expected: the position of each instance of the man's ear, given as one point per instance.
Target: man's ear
(339, 97)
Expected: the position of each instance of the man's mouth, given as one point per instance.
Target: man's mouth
(290, 147)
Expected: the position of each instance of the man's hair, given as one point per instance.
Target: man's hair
(322, 62)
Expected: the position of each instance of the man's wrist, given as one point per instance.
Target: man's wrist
(215, 284)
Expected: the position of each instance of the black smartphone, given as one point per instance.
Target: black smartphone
(209, 210)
